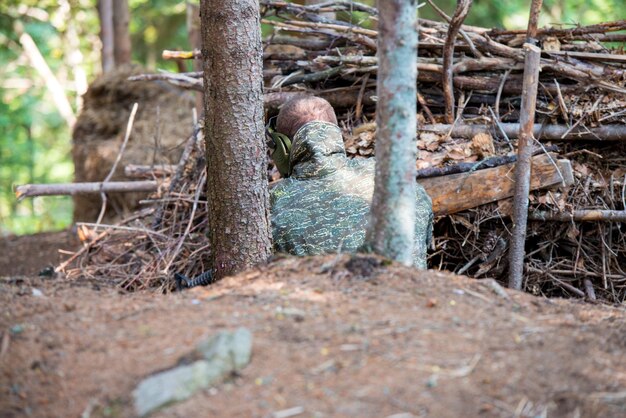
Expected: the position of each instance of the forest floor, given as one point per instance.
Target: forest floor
(334, 336)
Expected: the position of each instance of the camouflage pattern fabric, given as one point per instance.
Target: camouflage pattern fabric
(323, 207)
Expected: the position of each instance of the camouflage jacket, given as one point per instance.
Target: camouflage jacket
(323, 206)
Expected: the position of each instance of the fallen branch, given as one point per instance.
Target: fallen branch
(462, 9)
(149, 171)
(541, 132)
(580, 216)
(57, 189)
(480, 165)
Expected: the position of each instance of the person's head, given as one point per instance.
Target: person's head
(301, 110)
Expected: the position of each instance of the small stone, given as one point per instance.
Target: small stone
(223, 354)
(295, 313)
(36, 292)
(432, 381)
(229, 350)
(17, 329)
(173, 385)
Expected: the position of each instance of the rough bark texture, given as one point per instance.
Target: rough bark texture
(121, 34)
(523, 166)
(391, 229)
(239, 221)
(105, 12)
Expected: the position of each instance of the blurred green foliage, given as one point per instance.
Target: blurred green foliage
(35, 141)
(35, 145)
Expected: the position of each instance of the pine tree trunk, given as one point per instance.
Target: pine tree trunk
(121, 34)
(392, 215)
(237, 192)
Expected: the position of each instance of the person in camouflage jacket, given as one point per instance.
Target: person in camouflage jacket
(323, 205)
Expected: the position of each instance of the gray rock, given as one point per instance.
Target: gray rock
(223, 353)
(228, 350)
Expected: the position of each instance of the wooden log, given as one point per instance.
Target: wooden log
(580, 215)
(546, 133)
(457, 192)
(57, 189)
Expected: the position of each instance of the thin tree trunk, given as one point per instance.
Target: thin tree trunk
(238, 198)
(523, 166)
(392, 216)
(121, 35)
(105, 12)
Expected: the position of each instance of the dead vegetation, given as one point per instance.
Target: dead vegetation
(575, 242)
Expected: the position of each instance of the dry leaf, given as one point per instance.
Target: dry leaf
(505, 207)
(551, 43)
(482, 145)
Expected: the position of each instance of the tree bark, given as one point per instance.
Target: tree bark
(523, 166)
(105, 12)
(392, 216)
(238, 198)
(121, 34)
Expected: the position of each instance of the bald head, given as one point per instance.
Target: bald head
(301, 110)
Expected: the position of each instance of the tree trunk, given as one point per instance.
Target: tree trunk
(392, 216)
(195, 40)
(238, 198)
(121, 35)
(105, 12)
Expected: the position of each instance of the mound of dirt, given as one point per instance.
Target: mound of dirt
(162, 124)
(334, 336)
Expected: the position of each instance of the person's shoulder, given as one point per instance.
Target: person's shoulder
(281, 187)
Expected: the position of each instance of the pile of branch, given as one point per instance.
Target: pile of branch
(470, 82)
(336, 59)
(169, 236)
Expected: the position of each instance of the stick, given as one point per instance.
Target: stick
(178, 173)
(580, 215)
(129, 128)
(149, 171)
(531, 32)
(591, 294)
(181, 55)
(58, 189)
(522, 168)
(546, 133)
(466, 167)
(462, 8)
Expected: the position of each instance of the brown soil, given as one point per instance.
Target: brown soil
(361, 339)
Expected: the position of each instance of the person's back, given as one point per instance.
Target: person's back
(323, 206)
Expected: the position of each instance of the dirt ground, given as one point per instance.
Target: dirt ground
(334, 336)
